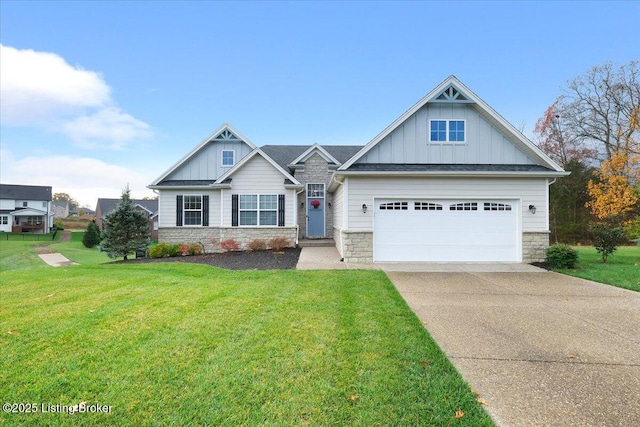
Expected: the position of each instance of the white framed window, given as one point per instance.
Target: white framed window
(467, 206)
(44, 204)
(228, 157)
(394, 206)
(192, 209)
(497, 207)
(4, 220)
(427, 206)
(447, 131)
(257, 209)
(25, 204)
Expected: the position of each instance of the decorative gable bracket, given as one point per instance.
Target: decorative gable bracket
(452, 94)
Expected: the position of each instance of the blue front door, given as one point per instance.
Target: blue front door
(315, 210)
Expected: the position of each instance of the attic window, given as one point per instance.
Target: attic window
(451, 94)
(228, 157)
(447, 130)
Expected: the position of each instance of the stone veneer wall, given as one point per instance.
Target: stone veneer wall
(242, 235)
(358, 246)
(315, 171)
(534, 246)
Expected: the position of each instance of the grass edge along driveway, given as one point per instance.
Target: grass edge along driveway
(182, 344)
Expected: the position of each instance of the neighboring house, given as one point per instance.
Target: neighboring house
(148, 207)
(448, 181)
(60, 208)
(25, 208)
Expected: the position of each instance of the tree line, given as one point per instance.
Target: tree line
(592, 130)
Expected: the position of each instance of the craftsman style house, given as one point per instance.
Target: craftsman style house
(449, 180)
(25, 208)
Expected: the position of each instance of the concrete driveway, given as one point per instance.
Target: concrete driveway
(541, 348)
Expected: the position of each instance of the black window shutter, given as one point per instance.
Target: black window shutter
(205, 211)
(234, 210)
(280, 210)
(178, 211)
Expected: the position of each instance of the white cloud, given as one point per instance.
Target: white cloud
(84, 178)
(108, 128)
(41, 89)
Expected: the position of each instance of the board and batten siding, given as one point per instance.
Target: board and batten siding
(409, 142)
(529, 190)
(258, 176)
(207, 163)
(167, 206)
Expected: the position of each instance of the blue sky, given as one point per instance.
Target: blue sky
(95, 95)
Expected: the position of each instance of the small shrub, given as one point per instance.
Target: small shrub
(92, 235)
(607, 238)
(58, 224)
(160, 250)
(184, 249)
(257, 245)
(175, 250)
(194, 249)
(279, 243)
(229, 245)
(561, 256)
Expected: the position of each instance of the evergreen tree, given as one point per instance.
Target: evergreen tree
(126, 230)
(91, 235)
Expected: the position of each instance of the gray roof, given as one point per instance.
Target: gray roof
(401, 167)
(25, 192)
(107, 205)
(183, 182)
(285, 154)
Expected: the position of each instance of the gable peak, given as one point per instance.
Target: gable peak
(226, 135)
(451, 94)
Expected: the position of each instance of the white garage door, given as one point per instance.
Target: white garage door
(445, 230)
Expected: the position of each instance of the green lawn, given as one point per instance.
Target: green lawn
(622, 268)
(185, 344)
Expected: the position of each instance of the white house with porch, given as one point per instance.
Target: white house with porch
(25, 208)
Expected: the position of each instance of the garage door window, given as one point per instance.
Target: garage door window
(497, 207)
(467, 206)
(426, 206)
(394, 206)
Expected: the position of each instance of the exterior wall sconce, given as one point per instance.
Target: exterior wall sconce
(364, 208)
(532, 209)
(302, 204)
(329, 205)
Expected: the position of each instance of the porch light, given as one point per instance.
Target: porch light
(532, 209)
(364, 208)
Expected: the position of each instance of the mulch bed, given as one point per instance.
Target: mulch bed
(286, 259)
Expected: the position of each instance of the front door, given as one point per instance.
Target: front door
(315, 210)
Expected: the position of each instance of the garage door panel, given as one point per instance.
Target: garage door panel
(446, 235)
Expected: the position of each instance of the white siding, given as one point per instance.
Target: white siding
(258, 176)
(528, 190)
(6, 204)
(207, 163)
(337, 207)
(409, 142)
(167, 206)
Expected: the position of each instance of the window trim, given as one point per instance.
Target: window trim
(258, 210)
(185, 210)
(447, 131)
(233, 158)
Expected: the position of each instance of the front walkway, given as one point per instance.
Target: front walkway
(56, 260)
(328, 258)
